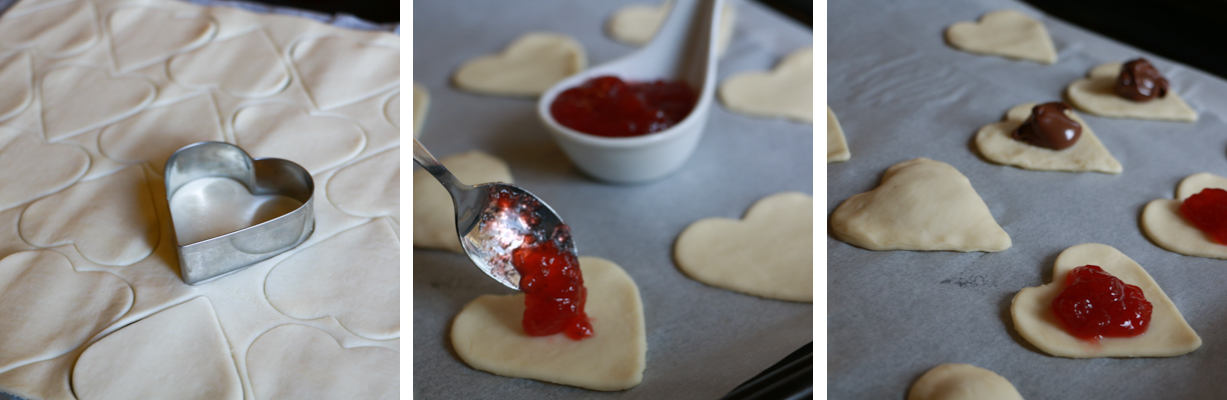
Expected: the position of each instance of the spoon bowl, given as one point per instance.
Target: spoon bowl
(495, 219)
(684, 49)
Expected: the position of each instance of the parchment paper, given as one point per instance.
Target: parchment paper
(901, 92)
(702, 341)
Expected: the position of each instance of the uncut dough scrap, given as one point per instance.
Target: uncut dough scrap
(837, 144)
(1168, 335)
(637, 24)
(1166, 226)
(1006, 33)
(962, 382)
(921, 204)
(434, 216)
(528, 67)
(488, 335)
(1096, 95)
(768, 253)
(1087, 154)
(786, 91)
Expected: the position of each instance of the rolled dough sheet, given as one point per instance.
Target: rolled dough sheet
(962, 382)
(837, 144)
(768, 253)
(301, 362)
(785, 92)
(1164, 225)
(369, 187)
(1096, 95)
(488, 335)
(921, 204)
(23, 179)
(996, 143)
(527, 67)
(1006, 33)
(434, 216)
(1168, 336)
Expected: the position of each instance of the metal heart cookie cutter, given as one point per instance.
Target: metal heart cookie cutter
(210, 258)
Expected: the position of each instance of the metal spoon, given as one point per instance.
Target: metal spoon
(494, 219)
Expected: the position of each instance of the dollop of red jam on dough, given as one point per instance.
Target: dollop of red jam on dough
(553, 287)
(608, 106)
(1096, 304)
(1207, 210)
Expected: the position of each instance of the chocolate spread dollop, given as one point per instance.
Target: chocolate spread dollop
(1140, 81)
(1049, 127)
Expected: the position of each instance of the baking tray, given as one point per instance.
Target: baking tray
(901, 92)
(702, 341)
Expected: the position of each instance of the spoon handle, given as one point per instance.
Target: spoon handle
(434, 167)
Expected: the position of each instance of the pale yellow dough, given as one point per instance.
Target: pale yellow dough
(317, 59)
(24, 179)
(996, 143)
(55, 31)
(837, 144)
(434, 216)
(637, 24)
(1168, 335)
(488, 335)
(1096, 95)
(785, 92)
(1006, 33)
(74, 91)
(301, 362)
(962, 382)
(921, 204)
(141, 36)
(276, 130)
(1163, 223)
(369, 187)
(529, 66)
(146, 360)
(17, 84)
(768, 253)
(192, 120)
(247, 65)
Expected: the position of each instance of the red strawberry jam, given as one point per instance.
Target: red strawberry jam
(1207, 211)
(609, 106)
(553, 287)
(1096, 304)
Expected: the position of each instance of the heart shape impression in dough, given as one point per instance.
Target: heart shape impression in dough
(1164, 224)
(995, 141)
(786, 91)
(317, 142)
(528, 67)
(54, 30)
(70, 99)
(18, 150)
(776, 237)
(17, 84)
(921, 204)
(352, 373)
(143, 36)
(1168, 335)
(319, 59)
(1005, 33)
(488, 335)
(208, 185)
(1096, 95)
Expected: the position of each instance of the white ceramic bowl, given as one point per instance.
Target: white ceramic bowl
(639, 159)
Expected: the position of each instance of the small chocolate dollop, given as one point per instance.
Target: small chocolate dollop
(1140, 81)
(1049, 127)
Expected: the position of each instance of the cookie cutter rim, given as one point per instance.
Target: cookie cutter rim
(221, 255)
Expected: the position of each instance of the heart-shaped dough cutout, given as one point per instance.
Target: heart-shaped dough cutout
(54, 31)
(837, 144)
(528, 67)
(206, 208)
(26, 177)
(785, 92)
(17, 84)
(317, 142)
(155, 133)
(434, 216)
(1169, 335)
(43, 283)
(71, 105)
(1006, 33)
(1096, 95)
(962, 382)
(488, 335)
(996, 142)
(110, 220)
(921, 204)
(178, 353)
(1163, 223)
(369, 187)
(365, 300)
(247, 65)
(776, 236)
(376, 66)
(287, 361)
(143, 36)
(637, 24)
